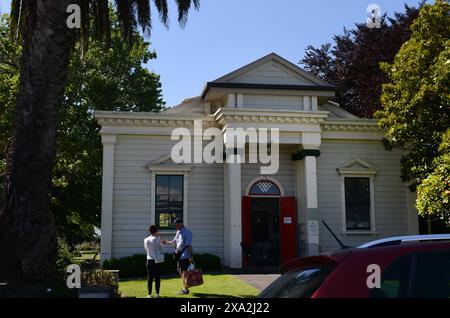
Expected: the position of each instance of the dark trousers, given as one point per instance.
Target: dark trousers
(153, 271)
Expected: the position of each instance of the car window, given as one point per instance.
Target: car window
(432, 275)
(394, 279)
(297, 283)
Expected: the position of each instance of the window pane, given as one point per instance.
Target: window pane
(357, 190)
(297, 284)
(394, 279)
(165, 220)
(162, 197)
(176, 188)
(357, 216)
(357, 203)
(162, 185)
(432, 275)
(264, 188)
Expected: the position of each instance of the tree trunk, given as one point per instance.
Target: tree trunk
(27, 226)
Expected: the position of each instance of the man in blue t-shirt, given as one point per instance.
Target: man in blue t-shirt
(183, 246)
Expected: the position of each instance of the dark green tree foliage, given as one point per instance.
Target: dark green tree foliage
(352, 61)
(28, 232)
(416, 107)
(9, 80)
(114, 79)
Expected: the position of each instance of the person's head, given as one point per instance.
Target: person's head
(153, 229)
(178, 224)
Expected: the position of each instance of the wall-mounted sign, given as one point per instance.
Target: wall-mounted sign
(287, 220)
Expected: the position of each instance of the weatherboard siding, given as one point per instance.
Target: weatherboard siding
(132, 190)
(391, 212)
(271, 73)
(273, 102)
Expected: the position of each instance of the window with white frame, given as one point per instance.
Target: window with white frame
(358, 199)
(168, 200)
(169, 196)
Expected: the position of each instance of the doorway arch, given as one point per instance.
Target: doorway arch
(264, 187)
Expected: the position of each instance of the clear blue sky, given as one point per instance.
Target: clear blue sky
(227, 34)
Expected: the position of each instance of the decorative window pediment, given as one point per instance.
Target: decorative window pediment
(358, 197)
(357, 166)
(165, 163)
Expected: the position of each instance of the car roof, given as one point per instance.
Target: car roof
(334, 258)
(403, 239)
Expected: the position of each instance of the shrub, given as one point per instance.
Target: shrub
(134, 266)
(64, 257)
(101, 279)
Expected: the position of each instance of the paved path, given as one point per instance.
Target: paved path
(259, 281)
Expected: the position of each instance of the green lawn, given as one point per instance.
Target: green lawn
(214, 286)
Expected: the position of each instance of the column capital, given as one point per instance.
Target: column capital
(305, 153)
(109, 139)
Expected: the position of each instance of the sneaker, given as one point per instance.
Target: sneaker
(157, 296)
(183, 292)
(149, 296)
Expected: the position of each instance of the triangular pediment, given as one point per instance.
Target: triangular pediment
(165, 159)
(357, 166)
(165, 163)
(272, 69)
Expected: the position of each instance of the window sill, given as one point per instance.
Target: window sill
(170, 232)
(373, 233)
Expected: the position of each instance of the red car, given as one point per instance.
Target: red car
(407, 267)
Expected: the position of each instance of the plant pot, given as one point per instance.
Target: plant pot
(95, 292)
(115, 272)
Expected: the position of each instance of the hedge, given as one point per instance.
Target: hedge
(134, 266)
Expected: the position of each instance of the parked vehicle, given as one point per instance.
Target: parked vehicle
(409, 267)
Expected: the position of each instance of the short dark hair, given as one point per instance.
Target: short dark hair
(153, 229)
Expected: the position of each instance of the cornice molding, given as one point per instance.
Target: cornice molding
(149, 119)
(225, 116)
(351, 125)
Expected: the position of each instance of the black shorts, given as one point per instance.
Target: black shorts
(184, 264)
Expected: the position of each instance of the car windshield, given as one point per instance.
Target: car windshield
(300, 283)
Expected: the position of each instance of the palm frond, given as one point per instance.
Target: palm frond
(144, 15)
(85, 25)
(126, 12)
(163, 11)
(103, 21)
(183, 9)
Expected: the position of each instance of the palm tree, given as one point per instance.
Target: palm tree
(28, 242)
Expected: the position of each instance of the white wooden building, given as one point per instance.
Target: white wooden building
(333, 167)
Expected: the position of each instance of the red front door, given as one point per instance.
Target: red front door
(287, 220)
(288, 229)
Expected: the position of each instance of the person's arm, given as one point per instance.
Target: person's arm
(188, 243)
(172, 243)
(146, 245)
